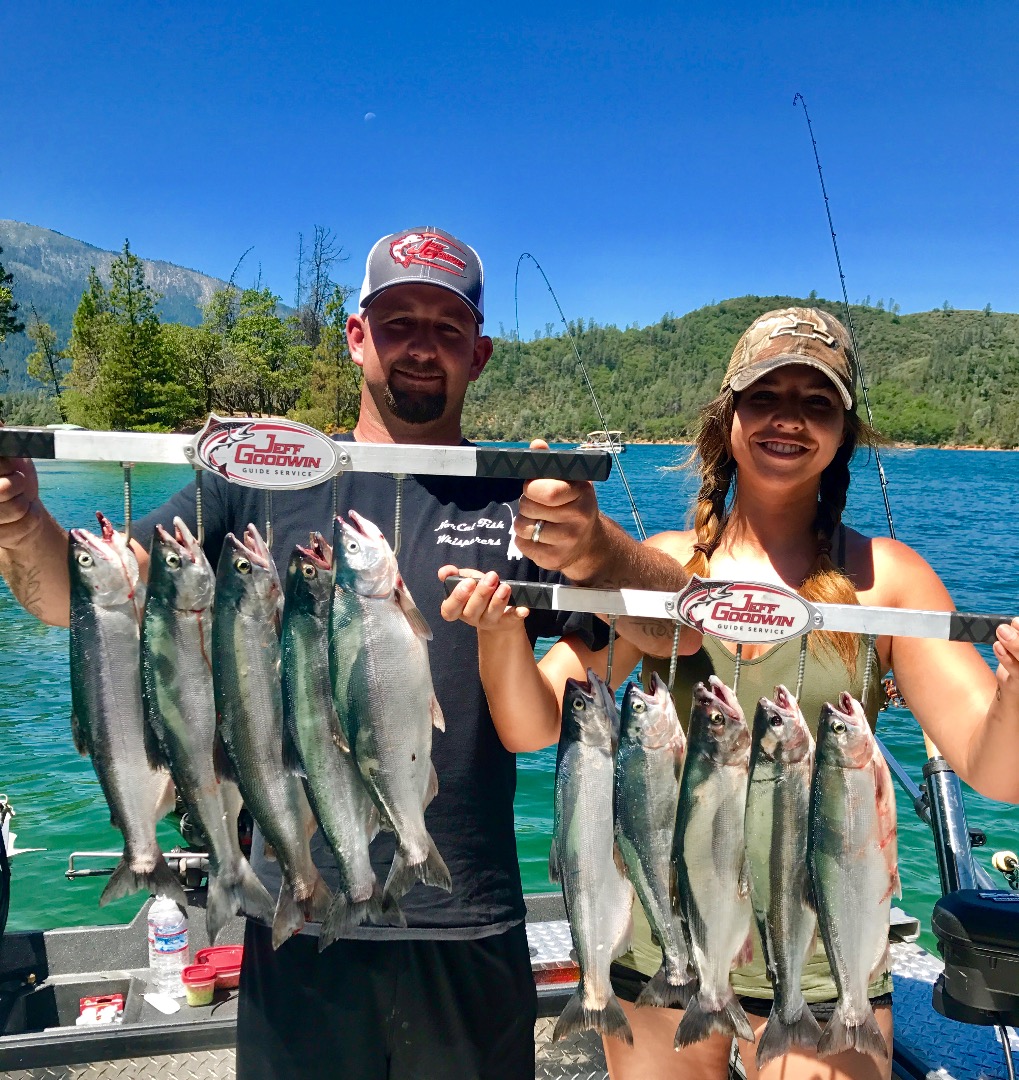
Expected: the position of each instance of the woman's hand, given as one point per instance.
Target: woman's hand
(1006, 650)
(481, 601)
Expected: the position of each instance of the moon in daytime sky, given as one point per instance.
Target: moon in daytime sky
(369, 117)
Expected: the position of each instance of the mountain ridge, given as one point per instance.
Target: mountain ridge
(51, 271)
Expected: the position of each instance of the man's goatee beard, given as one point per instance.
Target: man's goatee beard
(415, 408)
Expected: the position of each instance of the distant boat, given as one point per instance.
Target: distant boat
(604, 440)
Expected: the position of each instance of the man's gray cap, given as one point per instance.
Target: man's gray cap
(425, 256)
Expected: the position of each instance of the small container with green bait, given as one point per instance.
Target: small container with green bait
(199, 983)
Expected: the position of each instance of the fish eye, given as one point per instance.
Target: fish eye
(242, 566)
(85, 559)
(775, 721)
(717, 720)
(308, 570)
(578, 705)
(352, 546)
(838, 726)
(173, 560)
(639, 706)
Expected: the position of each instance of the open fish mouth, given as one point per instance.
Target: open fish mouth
(184, 537)
(723, 698)
(843, 710)
(364, 527)
(601, 692)
(783, 699)
(175, 544)
(252, 547)
(100, 547)
(318, 552)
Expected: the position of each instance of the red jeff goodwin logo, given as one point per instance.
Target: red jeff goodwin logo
(265, 453)
(428, 249)
(743, 611)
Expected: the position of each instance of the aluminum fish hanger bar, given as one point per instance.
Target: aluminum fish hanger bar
(749, 611)
(275, 454)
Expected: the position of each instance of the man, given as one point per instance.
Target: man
(452, 994)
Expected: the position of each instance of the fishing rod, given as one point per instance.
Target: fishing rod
(952, 837)
(587, 378)
(849, 315)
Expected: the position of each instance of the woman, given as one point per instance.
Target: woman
(774, 449)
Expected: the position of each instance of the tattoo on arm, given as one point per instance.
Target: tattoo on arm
(26, 584)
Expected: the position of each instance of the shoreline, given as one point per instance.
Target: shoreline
(890, 446)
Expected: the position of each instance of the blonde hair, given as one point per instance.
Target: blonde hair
(712, 456)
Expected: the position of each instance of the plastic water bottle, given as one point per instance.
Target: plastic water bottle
(168, 946)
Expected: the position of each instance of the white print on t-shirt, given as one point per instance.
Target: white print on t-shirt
(462, 534)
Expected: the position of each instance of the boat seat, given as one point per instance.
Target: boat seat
(978, 936)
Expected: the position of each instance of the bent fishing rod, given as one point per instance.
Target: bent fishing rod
(587, 378)
(948, 813)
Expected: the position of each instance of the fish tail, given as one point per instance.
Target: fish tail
(698, 1022)
(236, 892)
(316, 906)
(160, 881)
(292, 913)
(662, 994)
(344, 915)
(403, 873)
(779, 1037)
(864, 1036)
(609, 1020)
(289, 917)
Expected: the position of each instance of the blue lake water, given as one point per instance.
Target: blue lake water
(954, 507)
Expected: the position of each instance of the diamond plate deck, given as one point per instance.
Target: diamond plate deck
(948, 1049)
(943, 1049)
(210, 1065)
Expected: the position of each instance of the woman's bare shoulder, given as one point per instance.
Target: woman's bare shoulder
(889, 573)
(678, 544)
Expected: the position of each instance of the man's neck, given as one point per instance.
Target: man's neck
(372, 429)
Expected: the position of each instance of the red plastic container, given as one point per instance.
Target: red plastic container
(199, 983)
(226, 960)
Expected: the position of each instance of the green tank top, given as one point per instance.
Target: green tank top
(825, 677)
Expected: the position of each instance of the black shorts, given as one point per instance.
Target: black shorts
(386, 1010)
(628, 983)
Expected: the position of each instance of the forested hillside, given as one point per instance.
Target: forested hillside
(937, 377)
(159, 347)
(50, 272)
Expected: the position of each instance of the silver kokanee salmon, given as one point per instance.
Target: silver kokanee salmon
(853, 859)
(314, 744)
(249, 706)
(712, 879)
(778, 803)
(176, 645)
(382, 688)
(599, 899)
(107, 720)
(649, 763)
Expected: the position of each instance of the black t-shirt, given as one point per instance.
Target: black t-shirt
(466, 522)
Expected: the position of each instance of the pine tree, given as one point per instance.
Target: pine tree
(9, 322)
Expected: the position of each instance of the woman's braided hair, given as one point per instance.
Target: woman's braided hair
(712, 454)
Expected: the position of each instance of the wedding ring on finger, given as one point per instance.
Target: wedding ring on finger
(536, 532)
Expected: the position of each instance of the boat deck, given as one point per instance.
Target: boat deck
(927, 1045)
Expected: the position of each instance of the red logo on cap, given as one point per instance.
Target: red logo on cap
(428, 249)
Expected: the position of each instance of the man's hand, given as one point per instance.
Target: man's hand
(565, 513)
(20, 511)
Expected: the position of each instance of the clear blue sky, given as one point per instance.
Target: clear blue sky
(652, 161)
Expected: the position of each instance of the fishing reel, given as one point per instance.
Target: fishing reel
(1007, 864)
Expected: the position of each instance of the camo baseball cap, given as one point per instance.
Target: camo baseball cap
(794, 336)
(427, 256)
